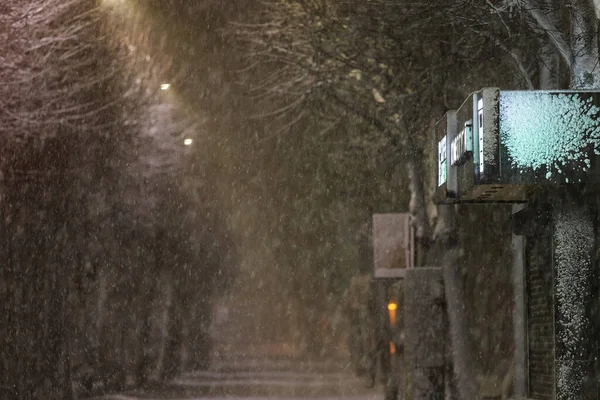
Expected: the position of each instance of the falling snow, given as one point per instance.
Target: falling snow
(215, 167)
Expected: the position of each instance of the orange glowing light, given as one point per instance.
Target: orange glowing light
(392, 311)
(392, 348)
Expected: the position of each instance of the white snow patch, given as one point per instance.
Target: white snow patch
(570, 378)
(574, 241)
(549, 129)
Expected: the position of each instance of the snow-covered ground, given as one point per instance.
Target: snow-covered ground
(262, 379)
(360, 397)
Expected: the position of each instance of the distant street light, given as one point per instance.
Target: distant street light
(392, 307)
(165, 86)
(188, 142)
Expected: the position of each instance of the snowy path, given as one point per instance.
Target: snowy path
(145, 397)
(254, 380)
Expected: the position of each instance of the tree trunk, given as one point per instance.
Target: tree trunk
(549, 64)
(418, 208)
(585, 71)
(141, 371)
(199, 343)
(574, 241)
(549, 67)
(167, 311)
(148, 289)
(102, 345)
(55, 353)
(573, 245)
(445, 252)
(9, 288)
(172, 360)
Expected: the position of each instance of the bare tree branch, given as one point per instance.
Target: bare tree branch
(551, 30)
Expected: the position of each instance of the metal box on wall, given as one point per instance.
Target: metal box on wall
(500, 144)
(393, 245)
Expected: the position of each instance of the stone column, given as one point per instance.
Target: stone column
(425, 333)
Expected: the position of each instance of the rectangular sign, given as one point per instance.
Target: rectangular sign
(480, 133)
(442, 163)
(462, 145)
(393, 244)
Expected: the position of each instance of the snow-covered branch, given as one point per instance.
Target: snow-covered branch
(550, 29)
(597, 8)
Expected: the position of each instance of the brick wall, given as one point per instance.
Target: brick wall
(540, 316)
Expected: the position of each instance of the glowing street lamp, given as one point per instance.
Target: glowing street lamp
(392, 307)
(188, 141)
(165, 86)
